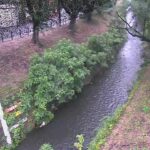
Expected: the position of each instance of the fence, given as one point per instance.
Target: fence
(12, 32)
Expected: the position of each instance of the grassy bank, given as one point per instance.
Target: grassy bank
(110, 123)
(128, 128)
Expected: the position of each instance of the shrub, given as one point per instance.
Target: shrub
(18, 135)
(54, 78)
(80, 141)
(11, 118)
(105, 46)
(60, 72)
(46, 147)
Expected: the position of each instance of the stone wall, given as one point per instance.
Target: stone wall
(8, 15)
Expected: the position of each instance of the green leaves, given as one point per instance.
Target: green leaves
(46, 147)
(80, 141)
(54, 78)
(105, 46)
(60, 72)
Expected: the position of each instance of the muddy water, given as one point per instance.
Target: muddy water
(98, 100)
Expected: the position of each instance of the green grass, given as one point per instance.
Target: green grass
(146, 109)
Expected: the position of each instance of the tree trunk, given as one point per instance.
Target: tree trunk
(89, 16)
(36, 24)
(72, 23)
(59, 12)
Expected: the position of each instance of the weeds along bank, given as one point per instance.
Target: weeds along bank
(137, 105)
(56, 76)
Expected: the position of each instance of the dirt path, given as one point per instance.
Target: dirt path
(133, 129)
(15, 55)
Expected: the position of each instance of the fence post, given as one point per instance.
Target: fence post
(28, 31)
(20, 32)
(11, 35)
(2, 37)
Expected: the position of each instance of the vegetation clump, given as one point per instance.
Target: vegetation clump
(105, 131)
(56, 76)
(46, 147)
(80, 141)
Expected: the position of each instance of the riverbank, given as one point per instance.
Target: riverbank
(128, 128)
(86, 65)
(15, 55)
(100, 59)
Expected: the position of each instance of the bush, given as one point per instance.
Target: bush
(46, 147)
(54, 78)
(80, 141)
(18, 135)
(60, 73)
(105, 46)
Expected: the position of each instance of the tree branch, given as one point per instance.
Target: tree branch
(136, 33)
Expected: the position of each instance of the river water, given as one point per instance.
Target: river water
(98, 100)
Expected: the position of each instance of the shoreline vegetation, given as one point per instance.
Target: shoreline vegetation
(130, 119)
(47, 68)
(111, 122)
(48, 85)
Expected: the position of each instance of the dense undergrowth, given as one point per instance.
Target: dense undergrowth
(58, 74)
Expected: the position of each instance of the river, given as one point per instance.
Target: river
(97, 100)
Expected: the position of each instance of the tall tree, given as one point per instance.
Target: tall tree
(88, 7)
(39, 11)
(72, 7)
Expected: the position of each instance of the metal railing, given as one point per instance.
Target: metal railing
(12, 32)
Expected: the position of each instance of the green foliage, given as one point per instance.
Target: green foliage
(18, 134)
(146, 109)
(46, 147)
(60, 73)
(140, 9)
(5, 148)
(57, 75)
(54, 78)
(10, 119)
(105, 46)
(40, 115)
(79, 144)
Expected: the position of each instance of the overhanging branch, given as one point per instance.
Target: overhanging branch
(133, 31)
